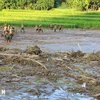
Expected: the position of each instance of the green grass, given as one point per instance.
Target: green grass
(67, 17)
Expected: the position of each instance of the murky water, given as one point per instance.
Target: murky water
(25, 90)
(49, 92)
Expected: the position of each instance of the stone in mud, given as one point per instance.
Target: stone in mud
(33, 50)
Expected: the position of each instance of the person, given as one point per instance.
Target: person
(51, 26)
(5, 28)
(11, 33)
(40, 28)
(60, 27)
(7, 36)
(55, 28)
(36, 28)
(9, 27)
(22, 28)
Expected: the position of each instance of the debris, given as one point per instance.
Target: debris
(33, 50)
(97, 96)
(77, 54)
(84, 85)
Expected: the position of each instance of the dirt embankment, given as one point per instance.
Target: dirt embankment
(82, 68)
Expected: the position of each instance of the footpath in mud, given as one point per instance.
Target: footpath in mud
(32, 74)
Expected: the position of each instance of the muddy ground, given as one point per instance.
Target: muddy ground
(49, 41)
(55, 69)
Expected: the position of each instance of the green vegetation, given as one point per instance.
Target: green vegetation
(49, 4)
(67, 17)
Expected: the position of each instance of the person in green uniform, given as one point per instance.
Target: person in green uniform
(55, 28)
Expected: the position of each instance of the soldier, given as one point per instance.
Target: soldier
(22, 28)
(60, 27)
(55, 28)
(40, 28)
(7, 38)
(51, 26)
(37, 28)
(11, 33)
(5, 28)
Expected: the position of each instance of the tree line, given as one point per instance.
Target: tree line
(49, 4)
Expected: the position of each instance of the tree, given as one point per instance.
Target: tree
(94, 4)
(49, 4)
(78, 4)
(1, 4)
(44, 4)
(57, 3)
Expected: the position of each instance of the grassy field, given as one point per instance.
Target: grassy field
(68, 18)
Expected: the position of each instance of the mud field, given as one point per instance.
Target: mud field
(50, 66)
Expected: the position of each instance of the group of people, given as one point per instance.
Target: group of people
(38, 28)
(55, 27)
(51, 26)
(8, 32)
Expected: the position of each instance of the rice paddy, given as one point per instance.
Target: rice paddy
(69, 18)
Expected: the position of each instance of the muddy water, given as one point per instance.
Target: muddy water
(48, 91)
(36, 88)
(66, 40)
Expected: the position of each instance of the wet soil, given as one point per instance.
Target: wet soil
(47, 72)
(51, 41)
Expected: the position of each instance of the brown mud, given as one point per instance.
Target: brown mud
(50, 41)
(77, 66)
(25, 67)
